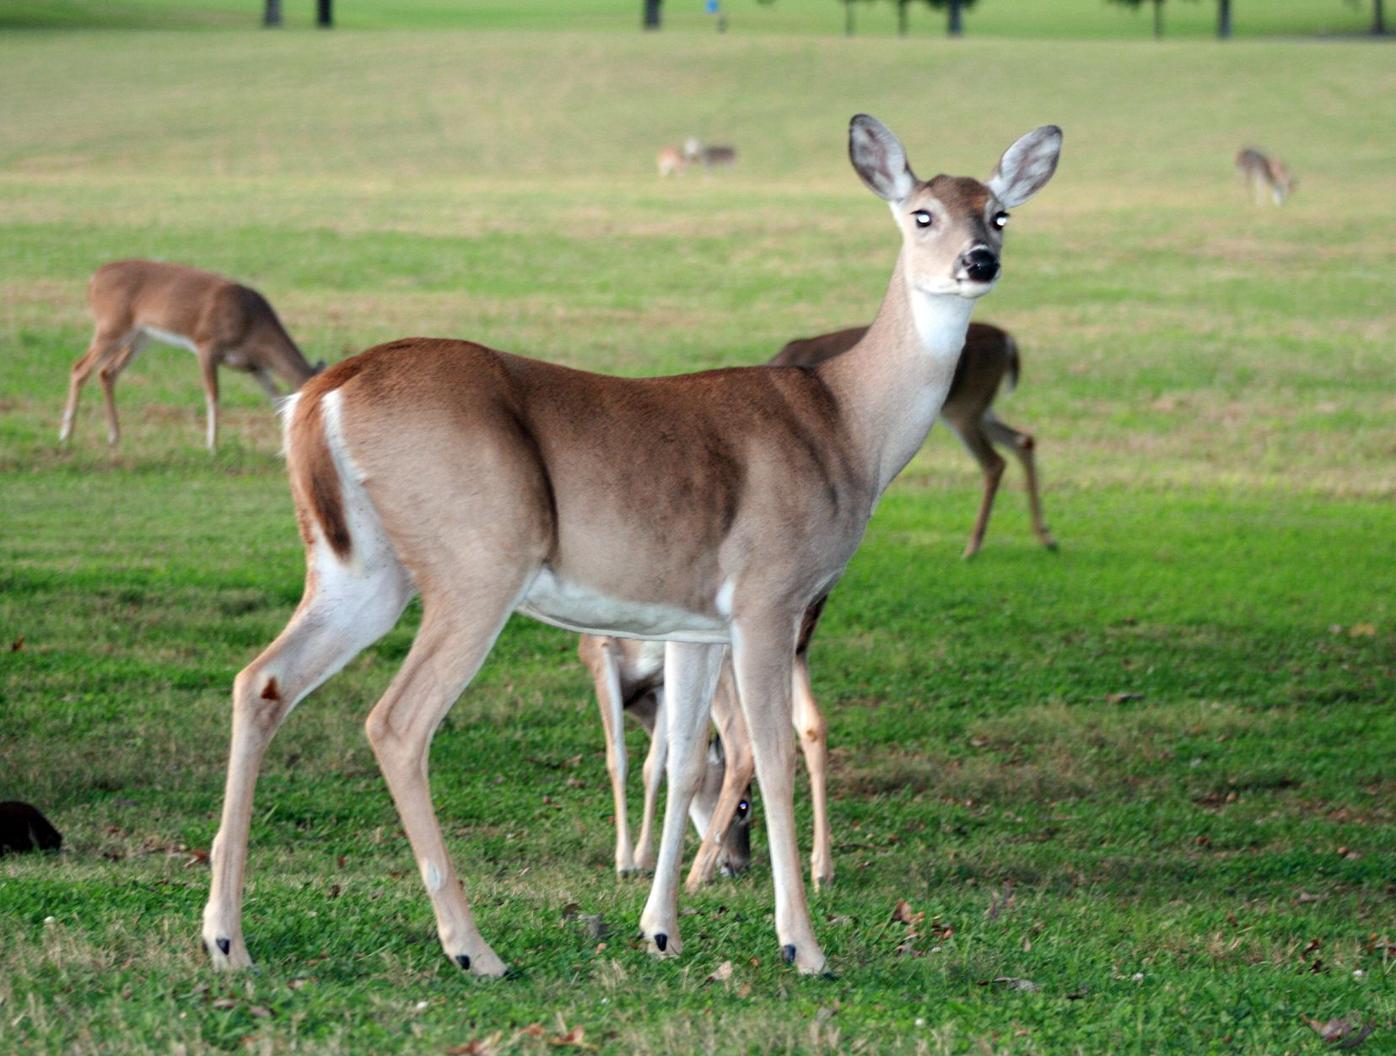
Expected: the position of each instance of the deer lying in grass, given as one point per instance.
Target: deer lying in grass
(708, 510)
(1266, 176)
(223, 323)
(990, 356)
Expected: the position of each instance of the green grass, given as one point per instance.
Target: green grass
(1150, 773)
(992, 18)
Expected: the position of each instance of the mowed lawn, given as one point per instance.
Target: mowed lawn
(1137, 795)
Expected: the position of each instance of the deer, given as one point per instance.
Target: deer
(222, 322)
(990, 355)
(1264, 175)
(670, 162)
(709, 511)
(629, 679)
(710, 157)
(989, 358)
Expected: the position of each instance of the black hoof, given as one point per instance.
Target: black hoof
(513, 973)
(661, 940)
(463, 960)
(204, 944)
(225, 945)
(828, 976)
(787, 954)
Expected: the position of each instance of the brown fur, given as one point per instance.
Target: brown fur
(228, 324)
(990, 355)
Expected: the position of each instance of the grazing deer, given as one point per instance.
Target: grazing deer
(990, 355)
(669, 161)
(705, 510)
(221, 322)
(629, 678)
(714, 157)
(1264, 174)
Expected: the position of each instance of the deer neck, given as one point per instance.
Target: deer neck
(891, 385)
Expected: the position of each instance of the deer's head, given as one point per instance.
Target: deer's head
(952, 226)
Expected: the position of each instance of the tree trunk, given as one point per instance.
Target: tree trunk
(271, 15)
(1378, 18)
(901, 17)
(324, 13)
(1224, 19)
(1158, 19)
(651, 20)
(956, 26)
(848, 18)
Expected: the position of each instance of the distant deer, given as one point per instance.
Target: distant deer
(714, 157)
(220, 321)
(1264, 174)
(670, 161)
(990, 355)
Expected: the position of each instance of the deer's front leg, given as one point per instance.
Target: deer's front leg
(690, 675)
(655, 760)
(762, 654)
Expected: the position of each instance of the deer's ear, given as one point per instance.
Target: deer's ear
(878, 157)
(1026, 166)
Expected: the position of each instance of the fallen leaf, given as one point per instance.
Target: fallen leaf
(1026, 986)
(1340, 1032)
(260, 1012)
(902, 914)
(574, 1038)
(17, 645)
(1123, 698)
(721, 973)
(1304, 897)
(225, 1003)
(1357, 630)
(533, 1030)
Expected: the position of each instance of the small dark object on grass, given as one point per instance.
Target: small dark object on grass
(23, 828)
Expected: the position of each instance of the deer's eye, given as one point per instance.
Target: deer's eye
(923, 218)
(743, 809)
(1000, 220)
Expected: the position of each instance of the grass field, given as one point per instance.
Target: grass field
(1150, 774)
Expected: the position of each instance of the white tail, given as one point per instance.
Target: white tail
(705, 510)
(224, 324)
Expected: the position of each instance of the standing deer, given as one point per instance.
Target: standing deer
(669, 161)
(708, 510)
(990, 355)
(1264, 175)
(710, 157)
(223, 323)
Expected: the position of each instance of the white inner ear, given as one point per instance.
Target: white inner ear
(1025, 167)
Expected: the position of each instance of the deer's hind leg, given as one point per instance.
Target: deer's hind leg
(345, 608)
(1023, 446)
(460, 622)
(107, 342)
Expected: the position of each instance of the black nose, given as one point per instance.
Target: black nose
(981, 265)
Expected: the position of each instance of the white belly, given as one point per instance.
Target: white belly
(169, 337)
(578, 608)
